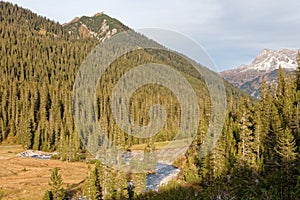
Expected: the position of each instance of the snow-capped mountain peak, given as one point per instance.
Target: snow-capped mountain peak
(269, 60)
(264, 67)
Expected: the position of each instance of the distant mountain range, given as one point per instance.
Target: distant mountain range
(265, 67)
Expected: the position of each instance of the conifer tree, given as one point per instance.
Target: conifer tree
(286, 150)
(295, 125)
(93, 189)
(56, 182)
(246, 146)
(98, 188)
(281, 83)
(275, 129)
(88, 189)
(298, 73)
(37, 140)
(258, 139)
(26, 133)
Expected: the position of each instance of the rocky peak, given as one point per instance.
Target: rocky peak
(264, 67)
(269, 60)
(100, 27)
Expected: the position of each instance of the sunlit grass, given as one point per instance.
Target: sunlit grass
(161, 145)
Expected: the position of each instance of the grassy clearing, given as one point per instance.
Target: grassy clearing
(161, 145)
(158, 145)
(27, 178)
(10, 151)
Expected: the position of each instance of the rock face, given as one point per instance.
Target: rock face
(265, 67)
(100, 27)
(84, 32)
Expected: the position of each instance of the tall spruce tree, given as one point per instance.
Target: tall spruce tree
(93, 189)
(286, 150)
(246, 149)
(298, 73)
(258, 135)
(57, 191)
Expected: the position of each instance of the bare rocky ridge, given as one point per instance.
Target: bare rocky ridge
(265, 67)
(100, 27)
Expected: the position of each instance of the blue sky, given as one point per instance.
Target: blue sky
(232, 31)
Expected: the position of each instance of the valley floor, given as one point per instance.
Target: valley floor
(28, 178)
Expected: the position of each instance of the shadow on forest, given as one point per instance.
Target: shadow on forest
(243, 183)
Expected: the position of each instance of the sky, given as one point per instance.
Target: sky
(233, 32)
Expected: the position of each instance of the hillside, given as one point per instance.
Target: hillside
(41, 55)
(38, 63)
(255, 156)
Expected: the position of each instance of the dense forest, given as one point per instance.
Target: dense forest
(256, 157)
(38, 63)
(38, 77)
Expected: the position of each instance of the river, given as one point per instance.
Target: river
(163, 174)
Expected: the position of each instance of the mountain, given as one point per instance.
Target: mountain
(100, 27)
(39, 60)
(265, 67)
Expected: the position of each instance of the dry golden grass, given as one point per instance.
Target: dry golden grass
(10, 151)
(161, 145)
(27, 178)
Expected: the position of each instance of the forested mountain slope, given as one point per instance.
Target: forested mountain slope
(39, 62)
(38, 65)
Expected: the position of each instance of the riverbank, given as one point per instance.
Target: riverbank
(36, 154)
(28, 178)
(27, 173)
